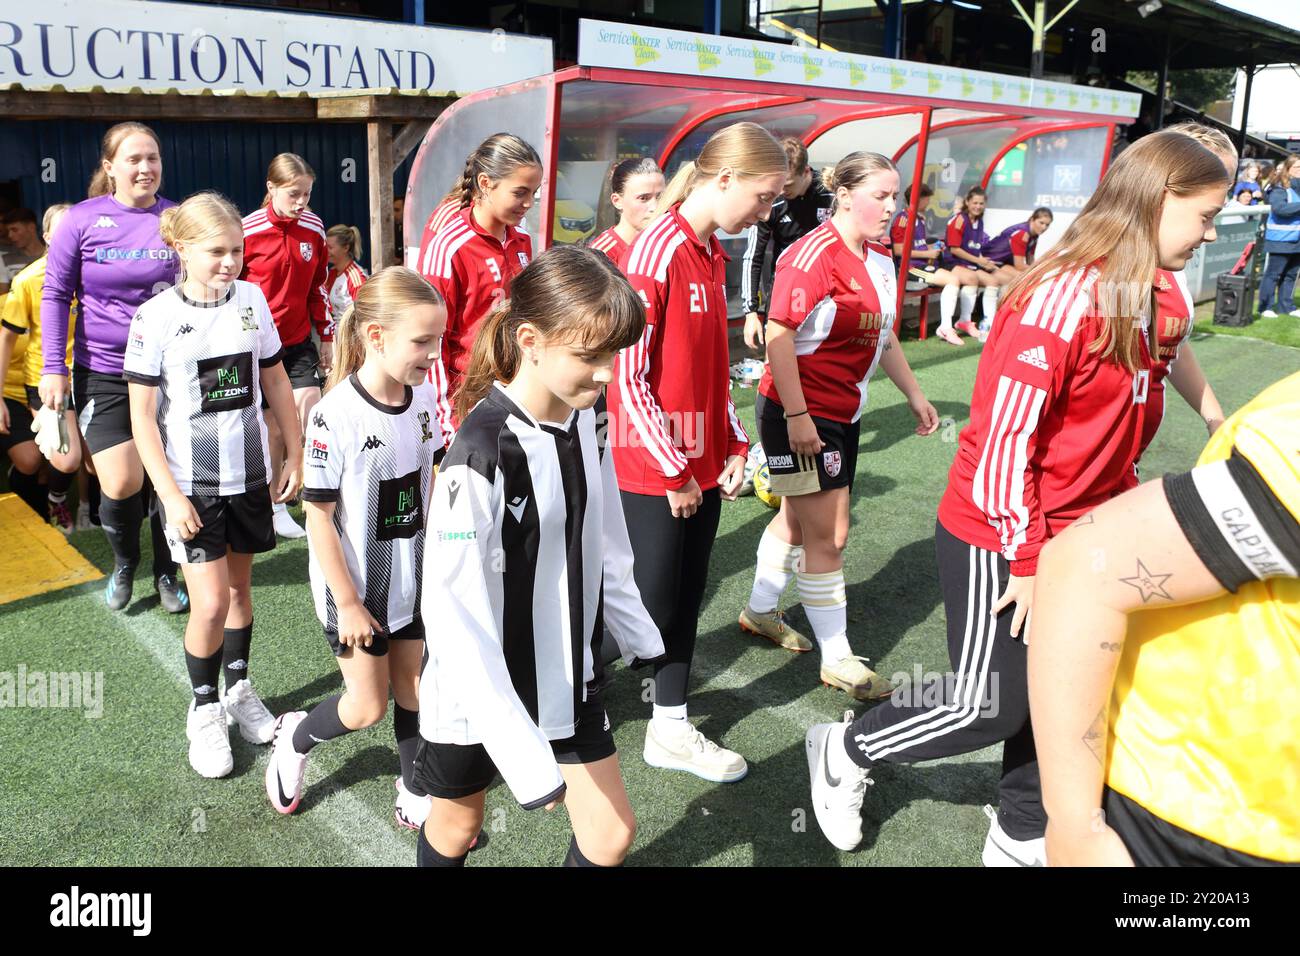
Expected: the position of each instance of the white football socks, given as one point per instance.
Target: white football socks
(777, 561)
(968, 293)
(669, 721)
(990, 306)
(826, 605)
(948, 305)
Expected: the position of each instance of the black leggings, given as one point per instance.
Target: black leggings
(984, 701)
(671, 568)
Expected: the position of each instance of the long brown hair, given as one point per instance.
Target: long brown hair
(852, 171)
(1119, 229)
(602, 312)
(747, 148)
(497, 157)
(284, 169)
(1281, 175)
(385, 298)
(101, 184)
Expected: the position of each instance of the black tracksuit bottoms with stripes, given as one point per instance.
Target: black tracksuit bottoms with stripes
(985, 701)
(671, 568)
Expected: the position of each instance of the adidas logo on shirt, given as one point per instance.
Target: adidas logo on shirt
(105, 222)
(1037, 357)
(372, 443)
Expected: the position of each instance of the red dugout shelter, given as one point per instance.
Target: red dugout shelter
(1028, 142)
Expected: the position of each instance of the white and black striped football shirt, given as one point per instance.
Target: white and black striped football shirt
(527, 559)
(205, 359)
(375, 461)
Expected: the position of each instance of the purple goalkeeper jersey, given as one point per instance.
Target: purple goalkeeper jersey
(112, 259)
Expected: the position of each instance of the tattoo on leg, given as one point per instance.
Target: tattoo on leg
(1149, 585)
(1113, 648)
(1094, 738)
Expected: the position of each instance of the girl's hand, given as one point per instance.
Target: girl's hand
(927, 419)
(290, 478)
(685, 501)
(326, 357)
(182, 516)
(802, 431)
(1020, 592)
(357, 627)
(732, 477)
(754, 330)
(54, 391)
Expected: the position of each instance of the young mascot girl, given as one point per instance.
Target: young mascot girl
(830, 324)
(528, 563)
(681, 447)
(199, 358)
(635, 186)
(1057, 420)
(372, 443)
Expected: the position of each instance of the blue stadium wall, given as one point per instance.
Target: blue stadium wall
(228, 157)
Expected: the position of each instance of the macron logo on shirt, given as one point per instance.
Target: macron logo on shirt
(1037, 357)
(105, 222)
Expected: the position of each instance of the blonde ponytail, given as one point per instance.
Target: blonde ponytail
(679, 187)
(384, 299)
(746, 148)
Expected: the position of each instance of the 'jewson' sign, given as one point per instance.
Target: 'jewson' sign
(118, 44)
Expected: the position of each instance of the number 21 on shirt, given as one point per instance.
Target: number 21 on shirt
(699, 297)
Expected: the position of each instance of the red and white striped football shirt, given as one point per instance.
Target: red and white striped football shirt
(670, 401)
(341, 288)
(442, 214)
(1054, 429)
(610, 243)
(841, 306)
(472, 270)
(286, 258)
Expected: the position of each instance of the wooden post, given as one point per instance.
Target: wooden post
(379, 148)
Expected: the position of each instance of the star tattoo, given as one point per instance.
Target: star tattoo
(1149, 585)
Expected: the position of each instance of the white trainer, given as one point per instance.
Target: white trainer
(691, 751)
(245, 708)
(1268, 314)
(284, 524)
(410, 811)
(1002, 850)
(286, 768)
(837, 801)
(205, 728)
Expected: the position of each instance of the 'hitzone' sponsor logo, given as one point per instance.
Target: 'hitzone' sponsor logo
(406, 510)
(77, 909)
(227, 385)
(74, 690)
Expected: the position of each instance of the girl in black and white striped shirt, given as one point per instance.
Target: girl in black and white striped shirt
(198, 358)
(372, 443)
(527, 561)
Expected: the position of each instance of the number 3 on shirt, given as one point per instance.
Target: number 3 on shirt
(699, 297)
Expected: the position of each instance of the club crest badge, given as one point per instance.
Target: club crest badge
(305, 249)
(247, 320)
(831, 462)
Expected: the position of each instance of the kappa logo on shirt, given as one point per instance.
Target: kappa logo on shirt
(185, 329)
(517, 507)
(104, 222)
(1037, 357)
(305, 249)
(319, 421)
(373, 442)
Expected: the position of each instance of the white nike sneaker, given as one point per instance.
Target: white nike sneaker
(286, 768)
(837, 802)
(1002, 850)
(205, 728)
(693, 752)
(410, 811)
(284, 524)
(245, 708)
